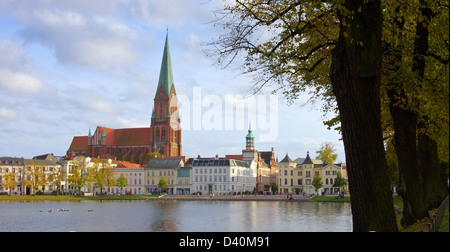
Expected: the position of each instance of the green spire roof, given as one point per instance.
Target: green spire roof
(250, 134)
(166, 74)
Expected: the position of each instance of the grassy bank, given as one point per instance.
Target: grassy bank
(330, 199)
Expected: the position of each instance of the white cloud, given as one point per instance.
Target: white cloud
(7, 114)
(169, 13)
(79, 37)
(15, 70)
(19, 83)
(12, 55)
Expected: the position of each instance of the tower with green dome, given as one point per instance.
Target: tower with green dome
(250, 140)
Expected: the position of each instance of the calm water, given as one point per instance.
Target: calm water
(176, 216)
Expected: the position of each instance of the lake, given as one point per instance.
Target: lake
(175, 216)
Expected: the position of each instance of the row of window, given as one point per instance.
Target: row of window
(211, 171)
(212, 179)
(170, 182)
(161, 173)
(308, 173)
(215, 187)
(299, 173)
(136, 181)
(307, 182)
(13, 170)
(299, 182)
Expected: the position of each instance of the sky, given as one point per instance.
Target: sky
(69, 66)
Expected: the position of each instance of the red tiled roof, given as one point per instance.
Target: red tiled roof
(126, 164)
(125, 137)
(114, 137)
(237, 157)
(132, 137)
(79, 143)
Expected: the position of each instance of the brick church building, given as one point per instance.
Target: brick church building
(134, 144)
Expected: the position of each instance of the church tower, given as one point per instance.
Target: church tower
(165, 131)
(250, 153)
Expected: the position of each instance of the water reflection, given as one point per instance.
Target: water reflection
(173, 216)
(162, 217)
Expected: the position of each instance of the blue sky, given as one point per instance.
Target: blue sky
(69, 66)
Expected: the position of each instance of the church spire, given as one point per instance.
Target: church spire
(250, 139)
(166, 74)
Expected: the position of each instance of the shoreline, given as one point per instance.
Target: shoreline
(295, 198)
(156, 197)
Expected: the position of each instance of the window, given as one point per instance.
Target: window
(157, 135)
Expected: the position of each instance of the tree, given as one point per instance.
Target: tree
(339, 182)
(122, 181)
(79, 174)
(99, 176)
(317, 182)
(9, 181)
(415, 82)
(356, 79)
(155, 155)
(34, 176)
(56, 177)
(333, 51)
(163, 183)
(327, 153)
(108, 172)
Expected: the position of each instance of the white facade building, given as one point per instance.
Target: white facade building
(220, 176)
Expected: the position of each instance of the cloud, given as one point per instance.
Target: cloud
(7, 114)
(15, 70)
(19, 83)
(168, 13)
(77, 35)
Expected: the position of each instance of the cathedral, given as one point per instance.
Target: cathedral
(134, 144)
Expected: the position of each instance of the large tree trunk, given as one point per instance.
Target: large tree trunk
(356, 77)
(411, 191)
(433, 179)
(404, 118)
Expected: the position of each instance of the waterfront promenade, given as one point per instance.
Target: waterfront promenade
(236, 197)
(297, 198)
